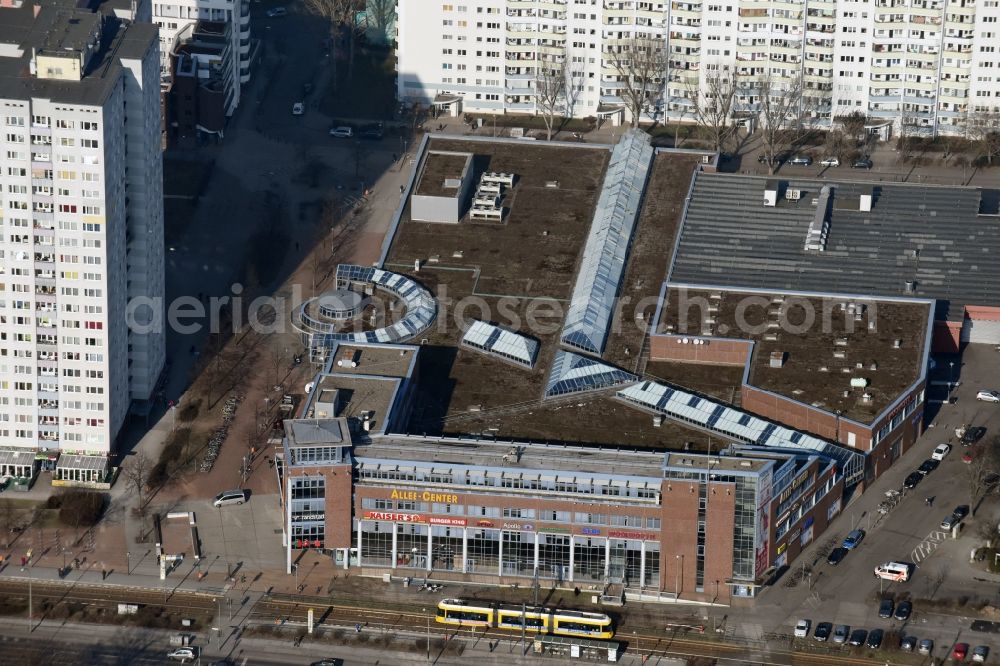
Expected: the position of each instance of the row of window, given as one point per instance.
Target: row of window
(581, 486)
(45, 121)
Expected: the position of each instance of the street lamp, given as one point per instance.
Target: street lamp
(951, 378)
(428, 635)
(679, 576)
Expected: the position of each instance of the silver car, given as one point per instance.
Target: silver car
(840, 633)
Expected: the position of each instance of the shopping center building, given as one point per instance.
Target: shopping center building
(532, 402)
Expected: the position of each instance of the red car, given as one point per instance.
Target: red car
(960, 651)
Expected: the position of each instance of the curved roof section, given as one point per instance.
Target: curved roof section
(572, 373)
(496, 341)
(421, 309)
(593, 302)
(736, 424)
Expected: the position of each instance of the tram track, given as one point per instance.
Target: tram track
(282, 611)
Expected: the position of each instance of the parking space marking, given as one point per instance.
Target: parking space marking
(927, 547)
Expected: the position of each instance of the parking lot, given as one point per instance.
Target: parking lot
(848, 593)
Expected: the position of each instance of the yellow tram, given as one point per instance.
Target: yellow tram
(537, 620)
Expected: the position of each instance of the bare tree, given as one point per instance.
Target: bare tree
(713, 107)
(779, 106)
(136, 472)
(907, 130)
(986, 528)
(640, 64)
(337, 13)
(983, 129)
(979, 471)
(379, 15)
(276, 358)
(853, 124)
(551, 91)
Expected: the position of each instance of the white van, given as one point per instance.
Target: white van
(227, 497)
(894, 571)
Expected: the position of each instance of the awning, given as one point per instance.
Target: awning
(45, 455)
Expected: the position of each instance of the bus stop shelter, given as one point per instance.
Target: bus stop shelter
(577, 648)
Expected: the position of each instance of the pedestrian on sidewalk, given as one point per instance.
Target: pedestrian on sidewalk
(402, 189)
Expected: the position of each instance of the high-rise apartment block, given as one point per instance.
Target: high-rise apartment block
(82, 233)
(218, 32)
(925, 64)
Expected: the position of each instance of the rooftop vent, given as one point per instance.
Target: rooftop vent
(859, 382)
(771, 188)
(552, 184)
(897, 343)
(867, 397)
(909, 287)
(777, 359)
(865, 200)
(452, 183)
(819, 228)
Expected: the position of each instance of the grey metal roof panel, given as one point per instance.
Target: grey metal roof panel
(730, 238)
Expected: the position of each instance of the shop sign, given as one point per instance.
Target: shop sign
(590, 531)
(527, 527)
(484, 523)
(308, 516)
(395, 517)
(625, 534)
(555, 530)
(782, 548)
(424, 496)
(787, 492)
(454, 522)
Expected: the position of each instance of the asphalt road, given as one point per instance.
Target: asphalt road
(848, 593)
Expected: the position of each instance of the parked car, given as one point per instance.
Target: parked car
(980, 654)
(925, 646)
(960, 651)
(903, 611)
(341, 132)
(928, 466)
(863, 163)
(802, 628)
(830, 162)
(298, 109)
(776, 160)
(836, 555)
(801, 160)
(988, 396)
(973, 435)
(858, 637)
(840, 633)
(912, 480)
(227, 497)
(885, 608)
(373, 132)
(949, 522)
(276, 12)
(940, 451)
(822, 632)
(853, 539)
(875, 637)
(183, 654)
(961, 511)
(908, 643)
